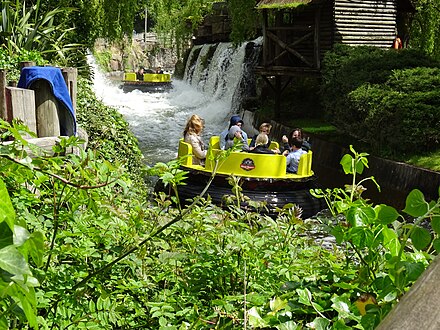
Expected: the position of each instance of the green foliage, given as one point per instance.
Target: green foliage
(177, 20)
(89, 251)
(391, 252)
(107, 130)
(244, 20)
(390, 103)
(11, 62)
(26, 26)
(425, 28)
(103, 59)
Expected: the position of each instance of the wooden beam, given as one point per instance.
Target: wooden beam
(286, 71)
(48, 123)
(70, 76)
(2, 94)
(316, 41)
(286, 47)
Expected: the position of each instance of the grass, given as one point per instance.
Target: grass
(430, 161)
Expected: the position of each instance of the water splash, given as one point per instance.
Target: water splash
(158, 119)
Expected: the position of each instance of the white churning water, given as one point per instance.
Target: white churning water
(158, 119)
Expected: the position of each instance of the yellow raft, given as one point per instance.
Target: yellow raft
(263, 178)
(151, 82)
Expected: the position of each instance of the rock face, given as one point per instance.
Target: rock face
(143, 51)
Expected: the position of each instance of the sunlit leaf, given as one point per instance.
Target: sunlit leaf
(346, 163)
(305, 296)
(391, 241)
(342, 306)
(320, 323)
(360, 216)
(361, 237)
(7, 213)
(277, 304)
(416, 204)
(13, 261)
(255, 320)
(386, 214)
(20, 235)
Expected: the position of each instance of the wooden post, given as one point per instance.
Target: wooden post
(48, 123)
(25, 64)
(278, 97)
(265, 38)
(70, 76)
(20, 104)
(2, 94)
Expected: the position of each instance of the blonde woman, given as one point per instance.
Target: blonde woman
(191, 135)
(264, 128)
(261, 143)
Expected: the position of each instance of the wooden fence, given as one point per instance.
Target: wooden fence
(38, 108)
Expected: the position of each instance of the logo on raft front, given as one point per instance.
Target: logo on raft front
(247, 164)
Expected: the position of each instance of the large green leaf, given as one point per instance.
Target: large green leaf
(35, 247)
(386, 214)
(416, 204)
(12, 261)
(360, 216)
(347, 163)
(420, 237)
(413, 270)
(435, 223)
(361, 237)
(255, 319)
(7, 213)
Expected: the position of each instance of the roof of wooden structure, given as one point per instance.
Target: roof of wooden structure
(402, 5)
(278, 4)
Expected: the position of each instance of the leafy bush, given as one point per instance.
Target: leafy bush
(81, 249)
(386, 98)
(107, 130)
(402, 114)
(11, 62)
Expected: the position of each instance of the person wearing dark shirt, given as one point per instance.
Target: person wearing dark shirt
(264, 128)
(297, 133)
(261, 145)
(140, 74)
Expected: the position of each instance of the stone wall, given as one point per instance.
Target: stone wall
(143, 51)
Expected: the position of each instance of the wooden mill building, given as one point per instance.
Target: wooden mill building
(297, 33)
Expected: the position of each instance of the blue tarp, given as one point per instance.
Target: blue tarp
(56, 81)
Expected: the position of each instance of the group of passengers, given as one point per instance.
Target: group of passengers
(141, 71)
(293, 145)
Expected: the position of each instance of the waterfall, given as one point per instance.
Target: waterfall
(224, 72)
(216, 78)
